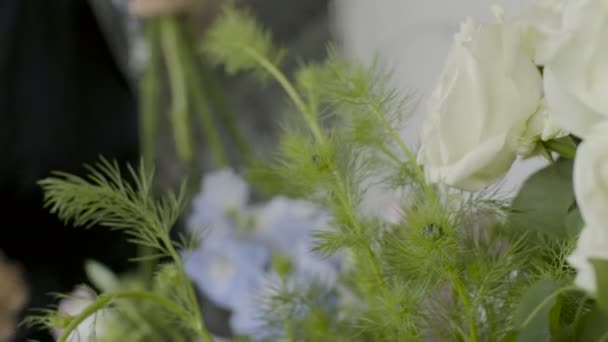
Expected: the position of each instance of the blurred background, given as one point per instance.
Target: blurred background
(69, 75)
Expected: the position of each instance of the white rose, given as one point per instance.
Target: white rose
(488, 90)
(591, 190)
(576, 67)
(591, 244)
(591, 177)
(542, 21)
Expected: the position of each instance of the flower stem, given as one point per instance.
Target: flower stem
(192, 299)
(177, 79)
(199, 101)
(289, 334)
(225, 112)
(411, 159)
(149, 91)
(565, 147)
(291, 92)
(308, 113)
(397, 138)
(467, 306)
(343, 193)
(345, 198)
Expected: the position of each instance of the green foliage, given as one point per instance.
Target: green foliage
(600, 267)
(237, 42)
(140, 320)
(296, 313)
(592, 327)
(192, 90)
(532, 211)
(423, 245)
(550, 311)
(574, 222)
(395, 313)
(104, 198)
(565, 146)
(533, 312)
(454, 267)
(134, 319)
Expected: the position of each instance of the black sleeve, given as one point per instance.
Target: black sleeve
(63, 102)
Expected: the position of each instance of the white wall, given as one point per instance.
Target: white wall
(412, 37)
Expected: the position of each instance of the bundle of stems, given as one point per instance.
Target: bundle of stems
(193, 89)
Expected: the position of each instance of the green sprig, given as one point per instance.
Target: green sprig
(104, 198)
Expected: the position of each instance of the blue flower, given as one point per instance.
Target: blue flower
(247, 319)
(284, 222)
(231, 265)
(226, 268)
(223, 193)
(288, 226)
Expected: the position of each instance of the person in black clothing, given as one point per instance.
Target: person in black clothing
(63, 102)
(66, 98)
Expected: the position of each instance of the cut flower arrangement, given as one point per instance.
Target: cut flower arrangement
(291, 254)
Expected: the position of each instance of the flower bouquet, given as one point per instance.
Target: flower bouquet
(295, 253)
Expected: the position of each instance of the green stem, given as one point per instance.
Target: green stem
(310, 118)
(291, 92)
(199, 101)
(148, 118)
(392, 156)
(207, 125)
(397, 138)
(192, 299)
(374, 262)
(565, 147)
(166, 245)
(177, 79)
(316, 131)
(225, 112)
(467, 306)
(464, 298)
(288, 327)
(104, 300)
(149, 93)
(407, 151)
(346, 202)
(97, 305)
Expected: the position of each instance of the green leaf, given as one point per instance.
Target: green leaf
(601, 279)
(565, 334)
(533, 312)
(592, 327)
(511, 336)
(574, 222)
(555, 315)
(543, 202)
